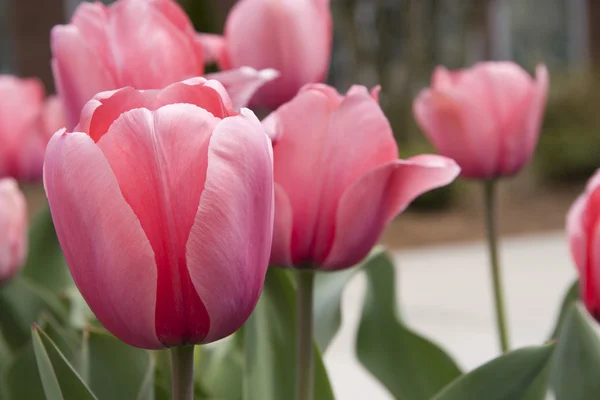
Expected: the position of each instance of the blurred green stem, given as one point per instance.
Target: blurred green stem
(182, 366)
(304, 383)
(492, 239)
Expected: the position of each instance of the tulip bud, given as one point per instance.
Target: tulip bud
(145, 44)
(293, 36)
(338, 179)
(487, 117)
(27, 122)
(13, 229)
(583, 223)
(163, 205)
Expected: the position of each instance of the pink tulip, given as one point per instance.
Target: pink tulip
(27, 122)
(338, 179)
(145, 44)
(487, 117)
(163, 205)
(13, 229)
(292, 36)
(583, 223)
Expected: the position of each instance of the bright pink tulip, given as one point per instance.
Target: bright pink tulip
(27, 122)
(293, 36)
(163, 206)
(145, 44)
(13, 229)
(487, 117)
(583, 229)
(338, 179)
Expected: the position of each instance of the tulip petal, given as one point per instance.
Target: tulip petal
(13, 234)
(213, 46)
(91, 19)
(242, 83)
(282, 230)
(359, 139)
(377, 197)
(159, 159)
(106, 249)
(78, 71)
(294, 37)
(442, 121)
(152, 52)
(577, 234)
(298, 160)
(229, 245)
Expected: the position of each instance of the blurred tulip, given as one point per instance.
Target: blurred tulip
(145, 44)
(27, 122)
(293, 36)
(338, 179)
(13, 229)
(163, 205)
(583, 223)
(487, 117)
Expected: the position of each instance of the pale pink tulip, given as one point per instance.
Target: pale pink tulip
(13, 229)
(338, 179)
(292, 36)
(163, 205)
(583, 230)
(487, 118)
(27, 122)
(145, 44)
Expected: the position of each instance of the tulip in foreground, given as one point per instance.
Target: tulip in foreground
(584, 237)
(13, 229)
(145, 44)
(487, 117)
(338, 179)
(293, 36)
(27, 121)
(163, 206)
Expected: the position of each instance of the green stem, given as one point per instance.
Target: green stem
(304, 382)
(182, 365)
(492, 239)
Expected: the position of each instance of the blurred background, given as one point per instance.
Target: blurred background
(398, 43)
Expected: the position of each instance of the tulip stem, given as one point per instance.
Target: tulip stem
(492, 239)
(182, 366)
(304, 388)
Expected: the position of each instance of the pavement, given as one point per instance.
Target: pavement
(445, 294)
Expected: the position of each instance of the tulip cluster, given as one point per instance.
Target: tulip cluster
(170, 198)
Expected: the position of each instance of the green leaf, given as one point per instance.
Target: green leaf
(270, 337)
(129, 370)
(46, 264)
(410, 366)
(508, 377)
(576, 363)
(23, 368)
(59, 378)
(221, 368)
(22, 302)
(328, 296)
(570, 298)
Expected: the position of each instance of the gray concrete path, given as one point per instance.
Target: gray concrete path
(445, 294)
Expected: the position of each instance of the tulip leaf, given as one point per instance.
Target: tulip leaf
(129, 370)
(46, 264)
(269, 339)
(577, 360)
(570, 298)
(328, 296)
(22, 302)
(59, 378)
(410, 366)
(221, 368)
(508, 377)
(23, 368)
